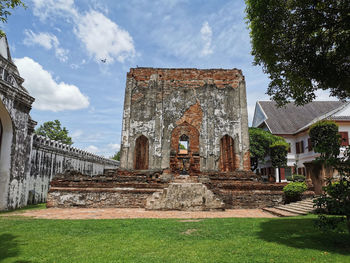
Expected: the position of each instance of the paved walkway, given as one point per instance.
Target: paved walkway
(113, 213)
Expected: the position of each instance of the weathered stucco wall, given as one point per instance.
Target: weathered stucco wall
(158, 100)
(49, 158)
(27, 165)
(17, 126)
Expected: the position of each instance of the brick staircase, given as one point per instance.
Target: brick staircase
(293, 209)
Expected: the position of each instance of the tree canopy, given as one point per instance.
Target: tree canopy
(5, 7)
(303, 45)
(54, 131)
(116, 156)
(262, 144)
(336, 199)
(325, 138)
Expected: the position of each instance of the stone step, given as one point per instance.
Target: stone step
(311, 207)
(307, 204)
(278, 212)
(298, 208)
(293, 210)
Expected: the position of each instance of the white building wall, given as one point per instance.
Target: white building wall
(298, 160)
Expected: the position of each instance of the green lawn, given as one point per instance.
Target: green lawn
(170, 240)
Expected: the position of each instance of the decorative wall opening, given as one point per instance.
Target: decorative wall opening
(141, 153)
(184, 144)
(6, 135)
(227, 154)
(184, 153)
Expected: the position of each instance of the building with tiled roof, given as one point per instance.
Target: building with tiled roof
(292, 122)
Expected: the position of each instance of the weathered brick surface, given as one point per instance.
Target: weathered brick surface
(239, 189)
(70, 197)
(163, 104)
(187, 77)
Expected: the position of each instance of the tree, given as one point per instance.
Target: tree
(336, 198)
(54, 131)
(278, 153)
(116, 156)
(260, 142)
(5, 7)
(303, 45)
(325, 139)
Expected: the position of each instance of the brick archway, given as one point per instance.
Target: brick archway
(227, 154)
(190, 161)
(141, 153)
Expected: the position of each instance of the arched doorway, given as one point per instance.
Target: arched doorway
(6, 135)
(141, 153)
(227, 154)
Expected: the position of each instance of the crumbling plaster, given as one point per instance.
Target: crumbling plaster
(156, 99)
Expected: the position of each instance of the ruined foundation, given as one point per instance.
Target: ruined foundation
(185, 146)
(122, 190)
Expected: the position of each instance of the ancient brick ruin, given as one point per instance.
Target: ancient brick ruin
(206, 109)
(185, 146)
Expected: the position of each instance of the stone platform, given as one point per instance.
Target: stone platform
(155, 190)
(186, 197)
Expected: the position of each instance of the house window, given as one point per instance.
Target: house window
(309, 144)
(299, 147)
(344, 138)
(183, 144)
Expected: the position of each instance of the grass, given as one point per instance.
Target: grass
(170, 240)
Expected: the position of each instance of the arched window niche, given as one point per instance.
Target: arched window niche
(184, 144)
(227, 154)
(141, 153)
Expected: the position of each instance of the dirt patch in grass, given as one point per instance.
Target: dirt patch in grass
(189, 231)
(190, 220)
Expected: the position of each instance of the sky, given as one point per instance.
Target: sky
(74, 55)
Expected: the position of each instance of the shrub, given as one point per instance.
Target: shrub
(298, 178)
(293, 191)
(289, 178)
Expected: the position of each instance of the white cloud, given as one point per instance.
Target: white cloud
(206, 34)
(92, 149)
(324, 95)
(114, 146)
(49, 8)
(49, 95)
(47, 41)
(104, 39)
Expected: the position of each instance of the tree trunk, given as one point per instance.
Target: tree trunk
(348, 222)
